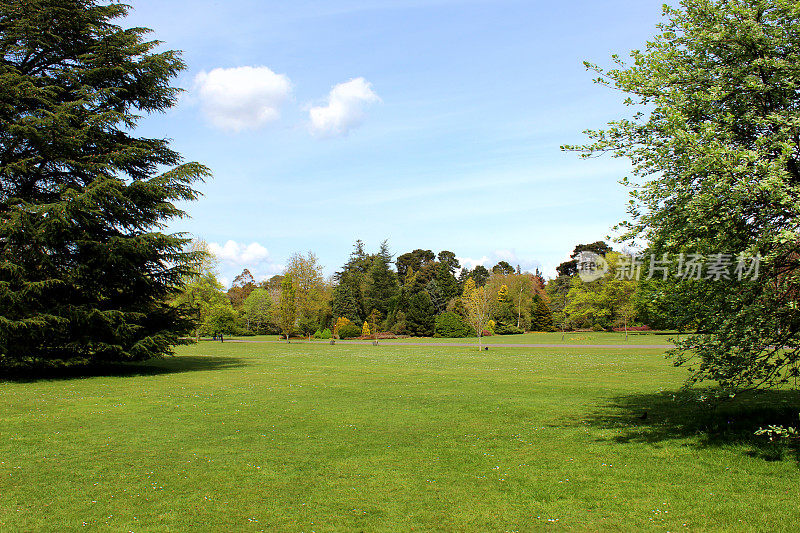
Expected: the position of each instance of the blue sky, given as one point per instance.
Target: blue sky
(433, 124)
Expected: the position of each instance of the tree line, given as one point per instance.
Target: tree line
(418, 293)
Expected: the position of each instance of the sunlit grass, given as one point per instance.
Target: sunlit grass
(305, 437)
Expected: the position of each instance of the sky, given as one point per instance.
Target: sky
(435, 124)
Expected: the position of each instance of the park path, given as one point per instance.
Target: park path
(459, 344)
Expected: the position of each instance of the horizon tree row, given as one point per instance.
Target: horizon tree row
(419, 293)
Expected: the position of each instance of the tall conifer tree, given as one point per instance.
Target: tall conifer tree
(85, 270)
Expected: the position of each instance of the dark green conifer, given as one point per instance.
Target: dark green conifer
(85, 269)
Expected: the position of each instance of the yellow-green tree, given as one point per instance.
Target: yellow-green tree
(311, 295)
(479, 304)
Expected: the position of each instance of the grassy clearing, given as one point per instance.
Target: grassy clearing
(306, 437)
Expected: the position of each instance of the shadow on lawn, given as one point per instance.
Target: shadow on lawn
(168, 365)
(688, 414)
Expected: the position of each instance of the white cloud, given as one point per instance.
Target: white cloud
(470, 263)
(239, 254)
(345, 109)
(242, 98)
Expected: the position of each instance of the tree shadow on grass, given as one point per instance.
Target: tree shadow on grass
(167, 365)
(691, 414)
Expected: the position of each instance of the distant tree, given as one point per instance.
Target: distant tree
(462, 278)
(452, 325)
(438, 299)
(412, 260)
(671, 303)
(480, 275)
(256, 309)
(199, 297)
(503, 268)
(504, 314)
(381, 283)
(340, 323)
(365, 330)
(375, 318)
(221, 318)
(597, 247)
(541, 316)
(346, 298)
(449, 260)
(273, 283)
(570, 268)
(242, 286)
(308, 284)
(557, 291)
(201, 262)
(606, 302)
(446, 281)
(567, 269)
(480, 306)
(420, 315)
(286, 310)
(503, 296)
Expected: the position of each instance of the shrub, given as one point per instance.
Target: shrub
(501, 328)
(451, 325)
(324, 334)
(340, 323)
(349, 331)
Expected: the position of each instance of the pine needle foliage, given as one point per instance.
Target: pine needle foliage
(86, 267)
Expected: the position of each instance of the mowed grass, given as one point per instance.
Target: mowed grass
(313, 437)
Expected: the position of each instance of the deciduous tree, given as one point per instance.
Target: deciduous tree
(716, 151)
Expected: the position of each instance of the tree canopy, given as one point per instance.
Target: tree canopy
(715, 143)
(85, 271)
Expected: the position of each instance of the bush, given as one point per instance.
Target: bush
(349, 331)
(501, 328)
(598, 327)
(451, 325)
(325, 334)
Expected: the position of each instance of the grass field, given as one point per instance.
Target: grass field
(312, 437)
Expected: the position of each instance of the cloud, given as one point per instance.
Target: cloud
(345, 110)
(470, 263)
(242, 98)
(239, 254)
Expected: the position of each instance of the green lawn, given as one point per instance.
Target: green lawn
(313, 437)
